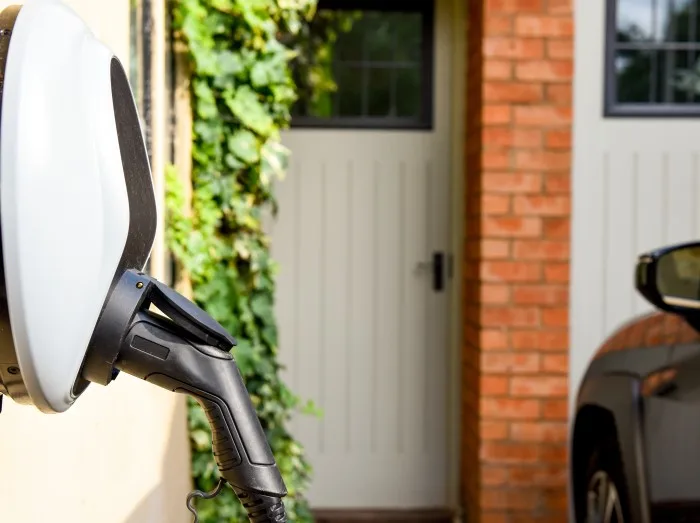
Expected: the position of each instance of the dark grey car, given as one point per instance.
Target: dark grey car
(635, 449)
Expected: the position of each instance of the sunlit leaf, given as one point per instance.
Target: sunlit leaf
(246, 105)
(244, 145)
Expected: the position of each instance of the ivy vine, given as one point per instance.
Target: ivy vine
(242, 92)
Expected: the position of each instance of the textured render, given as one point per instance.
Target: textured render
(121, 454)
(517, 250)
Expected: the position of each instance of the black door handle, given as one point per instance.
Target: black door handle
(439, 271)
(437, 267)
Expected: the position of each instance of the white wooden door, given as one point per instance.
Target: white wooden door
(362, 330)
(636, 178)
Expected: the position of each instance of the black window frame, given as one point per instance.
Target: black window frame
(614, 109)
(426, 120)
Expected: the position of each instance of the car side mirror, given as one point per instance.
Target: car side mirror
(669, 278)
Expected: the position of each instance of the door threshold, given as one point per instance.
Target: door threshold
(384, 516)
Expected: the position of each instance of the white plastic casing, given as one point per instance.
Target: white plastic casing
(63, 199)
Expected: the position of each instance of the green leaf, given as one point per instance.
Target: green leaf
(204, 100)
(261, 305)
(246, 106)
(310, 408)
(233, 163)
(201, 439)
(245, 357)
(230, 63)
(223, 5)
(270, 71)
(244, 145)
(283, 94)
(259, 75)
(275, 157)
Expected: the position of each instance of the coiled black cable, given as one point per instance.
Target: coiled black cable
(260, 509)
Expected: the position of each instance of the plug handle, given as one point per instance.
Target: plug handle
(159, 351)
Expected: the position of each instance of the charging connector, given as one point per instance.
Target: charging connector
(188, 352)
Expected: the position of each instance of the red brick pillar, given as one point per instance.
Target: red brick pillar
(515, 364)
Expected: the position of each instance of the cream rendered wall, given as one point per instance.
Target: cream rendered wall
(120, 455)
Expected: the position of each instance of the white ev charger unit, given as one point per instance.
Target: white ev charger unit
(77, 223)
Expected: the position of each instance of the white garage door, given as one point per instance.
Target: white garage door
(636, 177)
(362, 239)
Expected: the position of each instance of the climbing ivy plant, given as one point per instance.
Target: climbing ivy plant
(242, 92)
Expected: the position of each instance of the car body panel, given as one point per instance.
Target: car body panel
(619, 394)
(635, 376)
(672, 451)
(662, 331)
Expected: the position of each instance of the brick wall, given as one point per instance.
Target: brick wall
(515, 360)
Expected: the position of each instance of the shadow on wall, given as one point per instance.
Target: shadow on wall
(167, 502)
(120, 455)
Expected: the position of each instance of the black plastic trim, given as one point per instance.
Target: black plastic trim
(142, 210)
(137, 173)
(645, 283)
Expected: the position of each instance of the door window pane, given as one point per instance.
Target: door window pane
(380, 98)
(366, 64)
(633, 69)
(348, 97)
(635, 20)
(652, 65)
(408, 92)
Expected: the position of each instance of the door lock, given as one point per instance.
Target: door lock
(436, 267)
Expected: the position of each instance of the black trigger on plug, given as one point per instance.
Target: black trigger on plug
(190, 317)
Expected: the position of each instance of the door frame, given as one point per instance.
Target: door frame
(457, 221)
